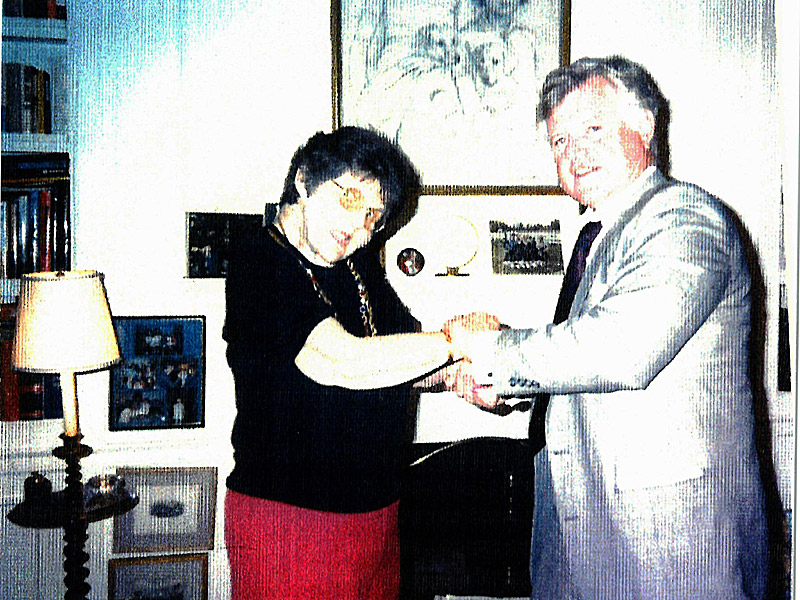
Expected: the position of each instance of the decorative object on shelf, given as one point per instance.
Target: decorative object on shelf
(176, 510)
(453, 83)
(64, 326)
(166, 577)
(159, 384)
(526, 249)
(410, 261)
(459, 244)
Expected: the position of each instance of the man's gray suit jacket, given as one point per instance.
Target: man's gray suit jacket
(649, 485)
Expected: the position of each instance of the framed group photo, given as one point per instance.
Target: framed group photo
(455, 83)
(170, 577)
(175, 511)
(160, 381)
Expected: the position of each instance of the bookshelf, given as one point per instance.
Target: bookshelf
(35, 208)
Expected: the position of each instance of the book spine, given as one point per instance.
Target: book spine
(9, 395)
(3, 237)
(12, 82)
(30, 392)
(23, 227)
(12, 261)
(46, 225)
(51, 398)
(32, 251)
(28, 98)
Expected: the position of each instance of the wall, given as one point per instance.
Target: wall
(197, 105)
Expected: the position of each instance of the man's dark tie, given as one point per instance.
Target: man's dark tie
(572, 279)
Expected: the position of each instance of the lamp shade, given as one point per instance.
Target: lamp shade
(63, 324)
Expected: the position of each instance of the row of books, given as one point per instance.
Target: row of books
(34, 230)
(35, 9)
(26, 99)
(34, 214)
(24, 396)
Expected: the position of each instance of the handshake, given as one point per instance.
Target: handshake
(472, 339)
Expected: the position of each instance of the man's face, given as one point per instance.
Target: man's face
(600, 140)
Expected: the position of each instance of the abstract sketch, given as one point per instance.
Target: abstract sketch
(455, 83)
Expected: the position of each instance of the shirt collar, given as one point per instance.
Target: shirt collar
(613, 206)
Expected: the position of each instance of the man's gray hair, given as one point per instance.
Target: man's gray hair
(622, 73)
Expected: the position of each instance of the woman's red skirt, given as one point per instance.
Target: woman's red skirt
(284, 552)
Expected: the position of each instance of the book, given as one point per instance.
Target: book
(9, 395)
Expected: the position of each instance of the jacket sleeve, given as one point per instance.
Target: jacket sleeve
(655, 279)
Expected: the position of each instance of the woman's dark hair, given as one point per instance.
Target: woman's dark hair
(621, 73)
(363, 152)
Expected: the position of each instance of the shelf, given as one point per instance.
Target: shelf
(34, 29)
(35, 142)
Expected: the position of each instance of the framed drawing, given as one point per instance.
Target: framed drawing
(175, 511)
(176, 577)
(455, 83)
(160, 381)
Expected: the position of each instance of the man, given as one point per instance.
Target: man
(648, 486)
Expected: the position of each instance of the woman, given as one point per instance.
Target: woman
(322, 359)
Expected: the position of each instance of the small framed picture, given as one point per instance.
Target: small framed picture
(160, 381)
(175, 511)
(209, 236)
(526, 248)
(171, 577)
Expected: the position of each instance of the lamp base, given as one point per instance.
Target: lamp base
(42, 508)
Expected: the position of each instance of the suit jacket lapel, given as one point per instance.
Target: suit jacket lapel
(653, 184)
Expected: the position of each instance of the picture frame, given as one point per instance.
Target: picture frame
(455, 83)
(526, 248)
(165, 577)
(160, 381)
(176, 510)
(209, 236)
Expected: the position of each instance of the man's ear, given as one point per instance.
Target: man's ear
(300, 184)
(647, 127)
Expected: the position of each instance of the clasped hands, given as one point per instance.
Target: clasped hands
(472, 338)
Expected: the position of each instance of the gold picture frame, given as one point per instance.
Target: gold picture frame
(455, 83)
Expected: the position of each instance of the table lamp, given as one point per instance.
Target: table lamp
(63, 325)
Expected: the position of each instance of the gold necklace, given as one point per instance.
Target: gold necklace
(365, 309)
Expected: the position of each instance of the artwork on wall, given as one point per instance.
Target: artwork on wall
(455, 83)
(168, 577)
(160, 381)
(208, 241)
(175, 511)
(526, 248)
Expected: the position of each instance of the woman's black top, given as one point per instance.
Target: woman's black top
(294, 440)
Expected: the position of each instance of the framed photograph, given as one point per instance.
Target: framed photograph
(455, 83)
(175, 511)
(160, 381)
(208, 241)
(526, 248)
(172, 577)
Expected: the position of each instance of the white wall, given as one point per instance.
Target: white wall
(197, 105)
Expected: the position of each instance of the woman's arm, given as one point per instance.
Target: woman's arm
(332, 356)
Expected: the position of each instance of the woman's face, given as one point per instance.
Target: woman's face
(340, 215)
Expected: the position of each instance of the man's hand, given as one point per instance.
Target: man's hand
(463, 333)
(459, 378)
